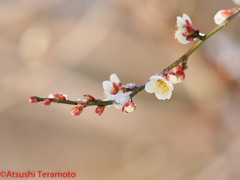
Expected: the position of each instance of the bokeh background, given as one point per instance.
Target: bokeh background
(71, 46)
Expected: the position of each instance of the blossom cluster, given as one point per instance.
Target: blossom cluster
(119, 94)
(162, 84)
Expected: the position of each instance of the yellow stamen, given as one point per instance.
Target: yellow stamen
(104, 95)
(161, 87)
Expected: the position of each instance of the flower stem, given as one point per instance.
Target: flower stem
(105, 103)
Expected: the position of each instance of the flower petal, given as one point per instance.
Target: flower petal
(107, 86)
(178, 33)
(186, 17)
(149, 87)
(183, 40)
(169, 84)
(156, 77)
(114, 78)
(180, 23)
(164, 96)
(218, 18)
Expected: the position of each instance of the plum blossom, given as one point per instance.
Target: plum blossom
(111, 87)
(177, 74)
(186, 32)
(129, 107)
(222, 15)
(160, 86)
(185, 29)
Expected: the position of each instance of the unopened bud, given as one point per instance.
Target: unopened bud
(33, 100)
(76, 111)
(60, 96)
(130, 107)
(172, 77)
(81, 105)
(47, 102)
(99, 110)
(124, 110)
(89, 98)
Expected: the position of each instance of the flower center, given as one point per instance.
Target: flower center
(104, 95)
(161, 87)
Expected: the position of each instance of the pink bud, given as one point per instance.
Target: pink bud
(124, 110)
(47, 102)
(60, 96)
(180, 75)
(33, 100)
(89, 98)
(129, 107)
(172, 77)
(76, 111)
(81, 105)
(99, 110)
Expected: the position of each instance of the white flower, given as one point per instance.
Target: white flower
(160, 86)
(221, 16)
(185, 29)
(237, 2)
(179, 35)
(111, 87)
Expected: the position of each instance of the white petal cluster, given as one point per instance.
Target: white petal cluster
(108, 86)
(220, 17)
(182, 23)
(160, 86)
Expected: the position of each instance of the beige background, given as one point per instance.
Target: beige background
(71, 46)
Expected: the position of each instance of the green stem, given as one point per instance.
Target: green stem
(105, 103)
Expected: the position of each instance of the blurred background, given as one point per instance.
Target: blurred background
(72, 46)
